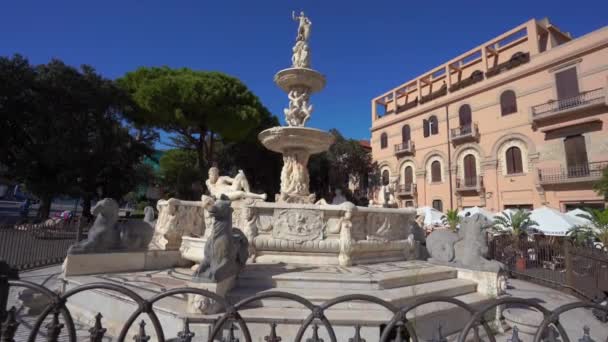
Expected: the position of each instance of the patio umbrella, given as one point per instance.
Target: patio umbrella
(477, 210)
(432, 216)
(552, 222)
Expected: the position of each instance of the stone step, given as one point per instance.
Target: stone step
(267, 280)
(397, 296)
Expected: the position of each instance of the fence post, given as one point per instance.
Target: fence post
(6, 273)
(569, 265)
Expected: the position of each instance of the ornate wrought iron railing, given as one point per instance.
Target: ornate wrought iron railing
(556, 175)
(469, 183)
(409, 188)
(399, 328)
(585, 98)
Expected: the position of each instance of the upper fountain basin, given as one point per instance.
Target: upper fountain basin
(288, 79)
(280, 139)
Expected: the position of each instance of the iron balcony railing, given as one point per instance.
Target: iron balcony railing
(469, 183)
(406, 189)
(406, 147)
(570, 174)
(465, 131)
(594, 96)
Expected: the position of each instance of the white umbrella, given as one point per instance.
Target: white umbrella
(432, 216)
(552, 222)
(476, 210)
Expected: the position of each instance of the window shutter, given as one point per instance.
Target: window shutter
(435, 125)
(405, 133)
(464, 115)
(435, 171)
(425, 127)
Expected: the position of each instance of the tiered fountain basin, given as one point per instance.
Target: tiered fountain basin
(290, 78)
(282, 139)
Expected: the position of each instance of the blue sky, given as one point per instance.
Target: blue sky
(363, 47)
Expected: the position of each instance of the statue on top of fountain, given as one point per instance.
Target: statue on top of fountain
(234, 189)
(301, 52)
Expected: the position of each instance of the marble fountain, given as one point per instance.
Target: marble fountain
(296, 244)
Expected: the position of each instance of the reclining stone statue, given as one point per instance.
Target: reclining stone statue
(107, 234)
(226, 251)
(234, 189)
(466, 249)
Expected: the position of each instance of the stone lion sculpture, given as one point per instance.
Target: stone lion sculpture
(106, 234)
(227, 249)
(466, 249)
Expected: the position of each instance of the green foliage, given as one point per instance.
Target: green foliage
(346, 161)
(451, 218)
(197, 106)
(601, 187)
(63, 133)
(179, 172)
(518, 224)
(595, 230)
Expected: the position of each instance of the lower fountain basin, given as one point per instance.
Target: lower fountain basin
(281, 139)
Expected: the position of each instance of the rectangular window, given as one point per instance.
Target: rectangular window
(528, 207)
(437, 204)
(576, 156)
(566, 83)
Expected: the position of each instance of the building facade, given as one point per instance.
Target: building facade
(517, 122)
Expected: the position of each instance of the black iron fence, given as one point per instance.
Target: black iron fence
(60, 323)
(26, 246)
(556, 261)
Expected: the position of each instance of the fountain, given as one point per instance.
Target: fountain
(295, 244)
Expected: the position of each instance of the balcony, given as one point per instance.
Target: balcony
(406, 148)
(585, 173)
(464, 133)
(469, 184)
(406, 190)
(584, 101)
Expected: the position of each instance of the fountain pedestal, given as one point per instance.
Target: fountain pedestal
(296, 144)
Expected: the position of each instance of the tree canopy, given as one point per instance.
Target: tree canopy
(197, 106)
(63, 132)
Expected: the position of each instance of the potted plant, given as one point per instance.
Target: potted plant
(518, 224)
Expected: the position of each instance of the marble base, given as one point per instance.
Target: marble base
(96, 263)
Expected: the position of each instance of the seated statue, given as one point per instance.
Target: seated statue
(234, 189)
(227, 249)
(108, 235)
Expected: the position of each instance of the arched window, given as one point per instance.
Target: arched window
(464, 115)
(438, 205)
(405, 133)
(508, 103)
(514, 162)
(470, 170)
(383, 140)
(385, 177)
(436, 171)
(433, 125)
(408, 175)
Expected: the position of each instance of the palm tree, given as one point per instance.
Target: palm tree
(596, 229)
(451, 218)
(519, 223)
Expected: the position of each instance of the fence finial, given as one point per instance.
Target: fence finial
(53, 328)
(97, 331)
(9, 327)
(357, 337)
(315, 334)
(273, 334)
(141, 335)
(185, 335)
(515, 335)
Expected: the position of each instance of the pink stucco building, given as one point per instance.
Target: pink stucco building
(518, 121)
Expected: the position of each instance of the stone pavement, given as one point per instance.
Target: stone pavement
(573, 321)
